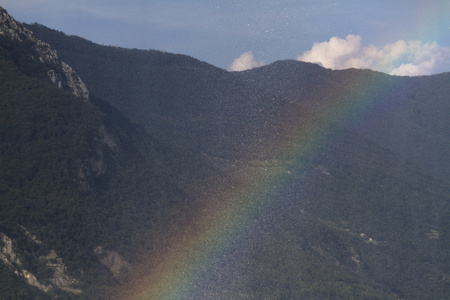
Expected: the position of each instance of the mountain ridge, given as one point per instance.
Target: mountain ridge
(92, 185)
(67, 168)
(59, 72)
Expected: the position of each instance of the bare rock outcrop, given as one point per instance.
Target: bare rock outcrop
(59, 72)
(113, 261)
(10, 256)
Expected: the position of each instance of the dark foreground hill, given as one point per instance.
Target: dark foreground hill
(345, 175)
(80, 185)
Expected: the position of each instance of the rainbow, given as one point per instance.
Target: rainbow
(190, 259)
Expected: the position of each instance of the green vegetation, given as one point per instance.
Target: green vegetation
(78, 175)
(366, 217)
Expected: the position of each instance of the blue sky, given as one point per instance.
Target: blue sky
(403, 37)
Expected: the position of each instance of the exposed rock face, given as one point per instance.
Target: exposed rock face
(60, 278)
(112, 260)
(60, 74)
(9, 254)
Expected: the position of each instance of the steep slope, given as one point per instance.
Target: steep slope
(182, 100)
(83, 191)
(363, 214)
(30, 54)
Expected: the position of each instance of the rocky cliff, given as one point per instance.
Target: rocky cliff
(59, 72)
(58, 277)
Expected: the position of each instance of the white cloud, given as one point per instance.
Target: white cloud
(400, 58)
(245, 62)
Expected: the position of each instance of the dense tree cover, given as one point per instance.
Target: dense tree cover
(78, 175)
(175, 97)
(367, 219)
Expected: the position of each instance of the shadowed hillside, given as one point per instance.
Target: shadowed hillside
(78, 183)
(339, 178)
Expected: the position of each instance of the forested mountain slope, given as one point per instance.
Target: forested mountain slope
(222, 112)
(79, 183)
(348, 174)
(408, 115)
(190, 103)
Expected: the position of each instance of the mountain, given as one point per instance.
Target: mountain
(172, 177)
(175, 97)
(81, 186)
(30, 53)
(162, 86)
(408, 113)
